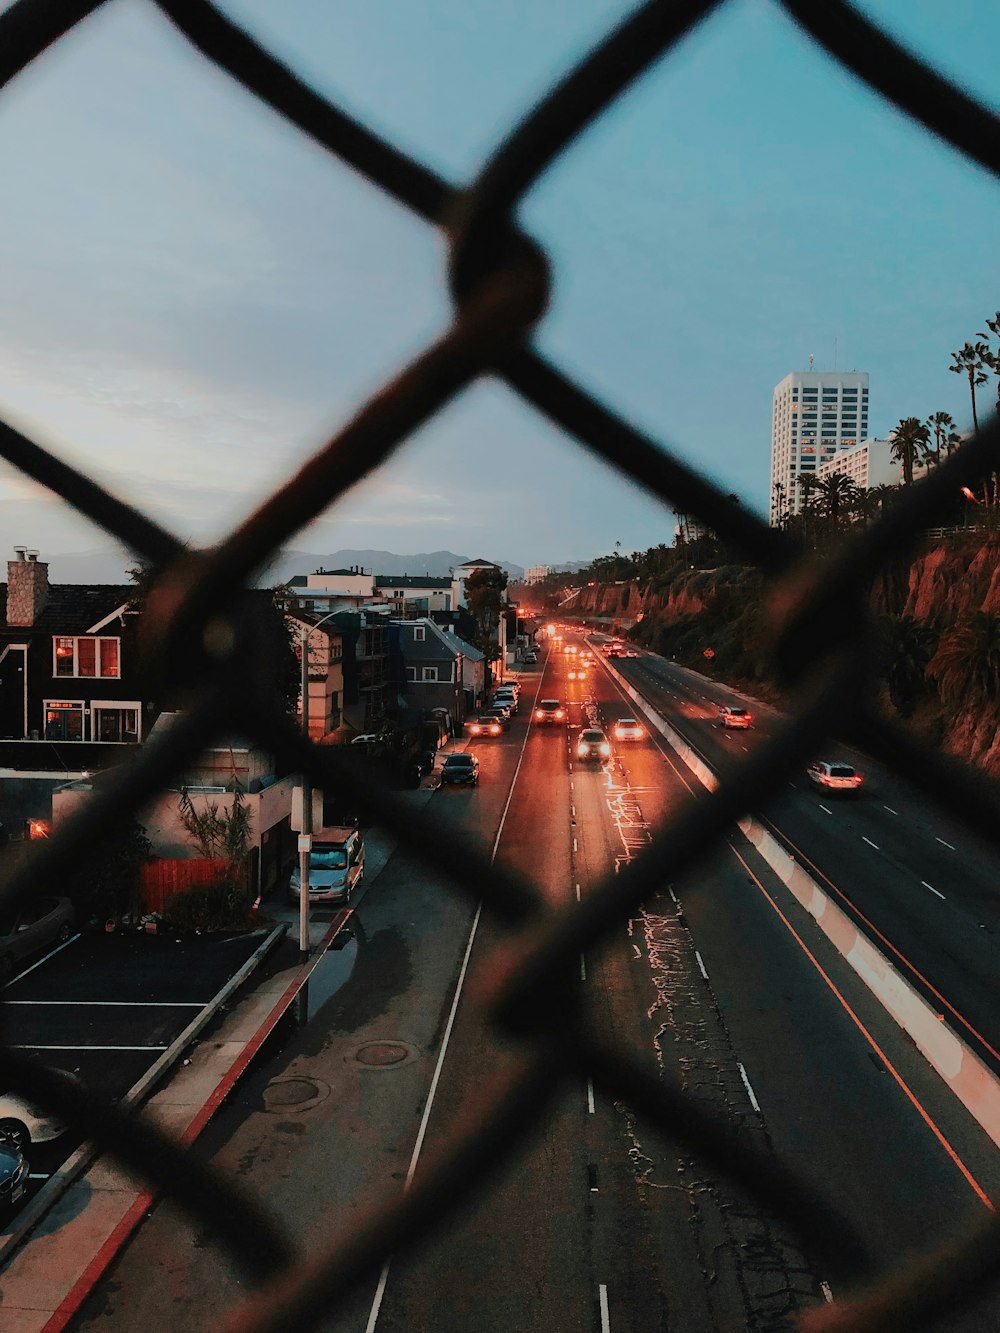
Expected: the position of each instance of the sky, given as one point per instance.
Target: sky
(196, 297)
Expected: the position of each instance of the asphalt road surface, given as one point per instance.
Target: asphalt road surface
(600, 1223)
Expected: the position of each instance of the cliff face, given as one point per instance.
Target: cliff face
(941, 586)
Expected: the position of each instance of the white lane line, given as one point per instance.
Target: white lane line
(574, 844)
(583, 968)
(701, 965)
(577, 893)
(869, 842)
(932, 888)
(890, 809)
(673, 895)
(823, 807)
(746, 1083)
(590, 1096)
(602, 1293)
(425, 1118)
(827, 1293)
(58, 949)
(571, 785)
(38, 1175)
(946, 844)
(572, 811)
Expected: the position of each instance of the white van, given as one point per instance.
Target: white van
(336, 865)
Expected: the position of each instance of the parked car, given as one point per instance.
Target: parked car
(592, 744)
(461, 768)
(497, 714)
(502, 700)
(833, 777)
(531, 657)
(23, 1123)
(549, 710)
(336, 865)
(484, 724)
(35, 925)
(628, 729)
(13, 1177)
(737, 718)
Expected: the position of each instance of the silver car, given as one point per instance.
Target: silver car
(35, 925)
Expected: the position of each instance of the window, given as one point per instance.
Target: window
(63, 720)
(85, 656)
(419, 633)
(411, 673)
(430, 673)
(116, 722)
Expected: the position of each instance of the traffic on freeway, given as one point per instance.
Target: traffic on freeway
(721, 983)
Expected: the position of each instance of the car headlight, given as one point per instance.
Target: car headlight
(605, 748)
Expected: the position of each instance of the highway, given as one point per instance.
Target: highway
(600, 1224)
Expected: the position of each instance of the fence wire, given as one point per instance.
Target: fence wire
(499, 282)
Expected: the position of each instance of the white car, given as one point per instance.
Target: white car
(833, 777)
(627, 729)
(22, 1123)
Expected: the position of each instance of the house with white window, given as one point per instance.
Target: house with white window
(69, 699)
(434, 669)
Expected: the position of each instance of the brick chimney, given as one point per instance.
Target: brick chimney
(27, 587)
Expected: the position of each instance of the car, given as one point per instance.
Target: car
(23, 1123)
(831, 776)
(550, 710)
(578, 673)
(336, 865)
(592, 744)
(484, 724)
(497, 714)
(738, 718)
(631, 652)
(506, 699)
(503, 706)
(530, 658)
(13, 1177)
(35, 925)
(460, 768)
(628, 729)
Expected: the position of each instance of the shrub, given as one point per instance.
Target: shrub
(209, 907)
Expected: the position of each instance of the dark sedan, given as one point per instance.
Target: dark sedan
(460, 769)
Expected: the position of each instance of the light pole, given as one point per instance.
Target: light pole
(305, 835)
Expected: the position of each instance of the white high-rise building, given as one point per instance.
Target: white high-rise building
(816, 414)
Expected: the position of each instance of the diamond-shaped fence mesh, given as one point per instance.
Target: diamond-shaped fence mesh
(499, 285)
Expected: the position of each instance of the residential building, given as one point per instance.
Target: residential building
(536, 573)
(869, 464)
(435, 669)
(365, 653)
(332, 589)
(412, 596)
(815, 415)
(324, 673)
(461, 574)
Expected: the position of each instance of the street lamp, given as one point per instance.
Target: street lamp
(305, 834)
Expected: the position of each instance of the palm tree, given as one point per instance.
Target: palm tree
(941, 425)
(910, 442)
(907, 645)
(991, 358)
(966, 666)
(879, 498)
(837, 496)
(970, 361)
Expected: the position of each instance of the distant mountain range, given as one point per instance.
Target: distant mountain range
(107, 567)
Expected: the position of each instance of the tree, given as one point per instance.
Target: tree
(837, 497)
(910, 443)
(484, 592)
(907, 645)
(991, 358)
(223, 837)
(941, 426)
(969, 362)
(966, 665)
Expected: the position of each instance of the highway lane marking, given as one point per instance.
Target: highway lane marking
(673, 895)
(870, 843)
(827, 1293)
(946, 844)
(701, 965)
(602, 1295)
(574, 844)
(746, 1083)
(583, 968)
(590, 1096)
(823, 807)
(572, 811)
(577, 893)
(932, 888)
(904, 1087)
(119, 1004)
(891, 811)
(432, 1091)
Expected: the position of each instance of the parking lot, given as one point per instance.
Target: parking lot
(106, 1007)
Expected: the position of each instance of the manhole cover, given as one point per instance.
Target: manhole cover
(284, 1094)
(380, 1053)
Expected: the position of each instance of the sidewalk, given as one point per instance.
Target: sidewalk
(69, 1235)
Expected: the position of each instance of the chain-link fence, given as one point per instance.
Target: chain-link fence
(199, 625)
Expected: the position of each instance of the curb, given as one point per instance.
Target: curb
(969, 1078)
